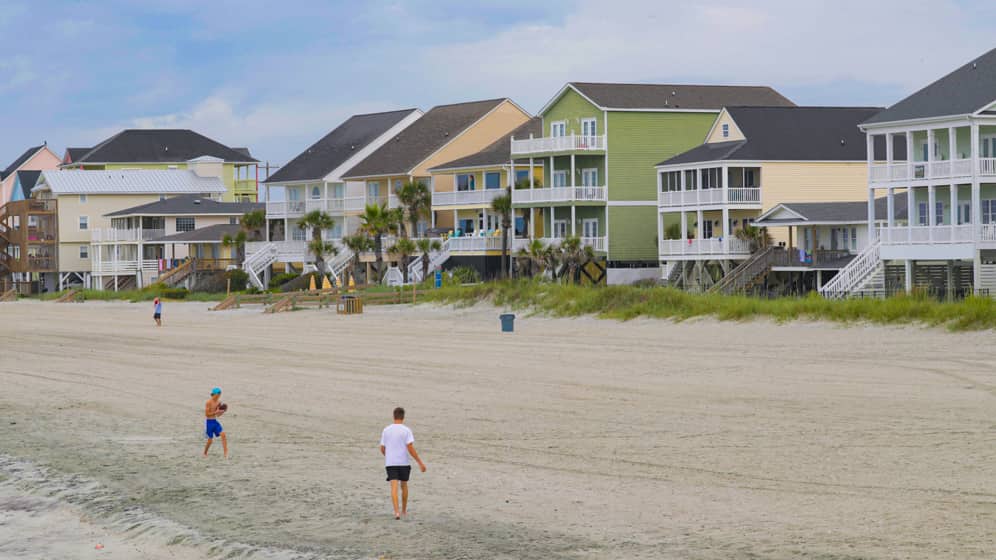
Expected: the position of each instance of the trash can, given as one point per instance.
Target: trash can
(438, 281)
(507, 322)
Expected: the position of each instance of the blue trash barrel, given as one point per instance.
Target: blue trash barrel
(439, 279)
(507, 322)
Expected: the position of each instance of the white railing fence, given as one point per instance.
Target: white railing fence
(712, 246)
(852, 276)
(559, 144)
(560, 194)
(477, 196)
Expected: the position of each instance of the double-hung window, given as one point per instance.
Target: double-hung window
(589, 127)
(492, 180)
(185, 224)
(989, 211)
(726, 130)
(939, 213)
(84, 222)
(559, 178)
(84, 251)
(465, 182)
(558, 128)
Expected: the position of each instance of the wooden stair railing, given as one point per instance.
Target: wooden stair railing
(745, 275)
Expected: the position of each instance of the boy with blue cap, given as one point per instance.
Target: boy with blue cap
(213, 410)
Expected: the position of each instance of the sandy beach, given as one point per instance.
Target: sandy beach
(574, 438)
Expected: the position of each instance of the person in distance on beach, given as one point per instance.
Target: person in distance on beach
(157, 314)
(396, 443)
(213, 409)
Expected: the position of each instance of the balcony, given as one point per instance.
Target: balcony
(111, 235)
(922, 170)
(298, 208)
(471, 244)
(598, 244)
(555, 144)
(466, 198)
(559, 195)
(245, 187)
(690, 249)
(750, 196)
(929, 235)
(100, 267)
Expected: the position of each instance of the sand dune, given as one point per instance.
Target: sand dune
(568, 439)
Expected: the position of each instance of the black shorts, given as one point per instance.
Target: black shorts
(399, 473)
(155, 315)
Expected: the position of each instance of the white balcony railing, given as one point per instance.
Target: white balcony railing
(987, 167)
(559, 194)
(926, 235)
(570, 143)
(471, 244)
(596, 243)
(460, 198)
(297, 208)
(704, 247)
(987, 233)
(705, 197)
(129, 266)
(111, 235)
(901, 171)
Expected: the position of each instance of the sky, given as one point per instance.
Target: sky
(277, 76)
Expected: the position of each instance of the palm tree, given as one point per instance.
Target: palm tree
(377, 221)
(757, 237)
(252, 223)
(502, 205)
(358, 244)
(575, 255)
(404, 248)
(534, 255)
(415, 198)
(426, 246)
(318, 221)
(238, 243)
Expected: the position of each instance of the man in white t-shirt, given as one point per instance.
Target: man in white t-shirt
(396, 443)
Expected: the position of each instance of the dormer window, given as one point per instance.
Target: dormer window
(726, 130)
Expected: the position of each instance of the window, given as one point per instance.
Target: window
(162, 197)
(559, 178)
(707, 229)
(522, 176)
(988, 148)
(939, 213)
(726, 130)
(589, 227)
(84, 251)
(558, 128)
(82, 199)
(989, 211)
(589, 177)
(492, 180)
(559, 229)
(467, 226)
(465, 182)
(711, 178)
(373, 190)
(297, 234)
(854, 239)
(397, 185)
(185, 224)
(84, 222)
(589, 127)
(923, 216)
(671, 181)
(316, 192)
(338, 191)
(233, 221)
(965, 213)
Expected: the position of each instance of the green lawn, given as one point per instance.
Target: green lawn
(630, 302)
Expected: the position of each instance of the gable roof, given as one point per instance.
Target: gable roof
(969, 89)
(26, 181)
(161, 145)
(846, 212)
(21, 160)
(674, 96)
(791, 134)
(209, 234)
(424, 137)
(499, 152)
(73, 154)
(130, 181)
(189, 204)
(324, 156)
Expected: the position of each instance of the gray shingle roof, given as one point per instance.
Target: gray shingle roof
(848, 212)
(159, 146)
(322, 157)
(500, 151)
(21, 159)
(792, 134)
(962, 92)
(210, 234)
(27, 180)
(414, 144)
(676, 96)
(73, 154)
(188, 205)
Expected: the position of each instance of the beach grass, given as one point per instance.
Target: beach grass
(631, 302)
(134, 296)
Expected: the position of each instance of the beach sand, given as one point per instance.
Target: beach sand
(575, 438)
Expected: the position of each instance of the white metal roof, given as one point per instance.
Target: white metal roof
(128, 181)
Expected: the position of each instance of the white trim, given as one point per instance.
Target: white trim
(741, 162)
(712, 128)
(623, 110)
(632, 203)
(555, 123)
(593, 120)
(978, 113)
(561, 93)
(900, 126)
(782, 206)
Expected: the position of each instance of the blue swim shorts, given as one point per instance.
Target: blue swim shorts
(213, 428)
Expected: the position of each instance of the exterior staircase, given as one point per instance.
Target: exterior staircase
(866, 273)
(748, 274)
(337, 265)
(178, 274)
(436, 260)
(258, 261)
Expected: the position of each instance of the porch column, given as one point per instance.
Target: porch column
(553, 229)
(931, 212)
(909, 276)
(930, 152)
(698, 184)
(891, 210)
(953, 188)
(573, 182)
(889, 152)
(910, 155)
(532, 221)
(976, 186)
(551, 172)
(699, 222)
(870, 157)
(573, 220)
(531, 181)
(684, 227)
(909, 214)
(456, 222)
(952, 147)
(726, 208)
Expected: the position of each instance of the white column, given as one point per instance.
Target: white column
(909, 275)
(931, 208)
(870, 156)
(551, 172)
(930, 151)
(889, 152)
(552, 232)
(684, 226)
(910, 155)
(698, 184)
(954, 208)
(532, 221)
(700, 221)
(573, 182)
(725, 182)
(531, 180)
(456, 222)
(976, 187)
(952, 146)
(573, 221)
(891, 210)
(910, 218)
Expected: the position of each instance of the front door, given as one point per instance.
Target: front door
(589, 177)
(589, 227)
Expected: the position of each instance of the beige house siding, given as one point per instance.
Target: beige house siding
(813, 182)
(505, 118)
(716, 135)
(95, 207)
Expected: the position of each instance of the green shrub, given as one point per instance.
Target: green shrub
(466, 275)
(278, 280)
(174, 293)
(238, 277)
